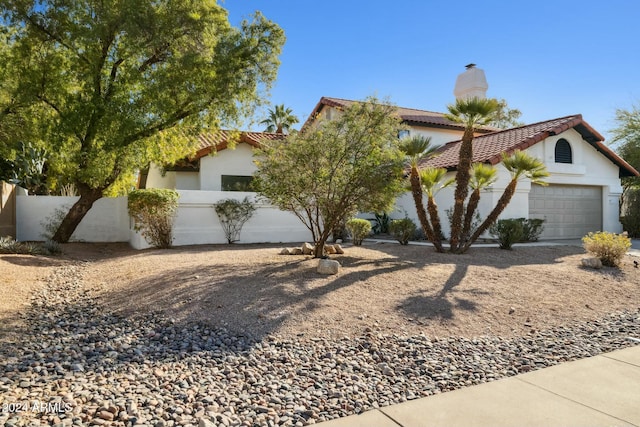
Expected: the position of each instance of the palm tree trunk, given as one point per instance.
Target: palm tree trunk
(432, 208)
(472, 205)
(495, 213)
(416, 191)
(463, 174)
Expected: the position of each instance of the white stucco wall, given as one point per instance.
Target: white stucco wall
(238, 161)
(438, 136)
(589, 168)
(107, 221)
(197, 223)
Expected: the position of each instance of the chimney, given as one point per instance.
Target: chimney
(472, 83)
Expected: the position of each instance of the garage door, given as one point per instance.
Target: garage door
(570, 211)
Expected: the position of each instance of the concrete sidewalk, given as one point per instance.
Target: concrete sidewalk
(599, 391)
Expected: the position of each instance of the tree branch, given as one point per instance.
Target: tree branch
(55, 37)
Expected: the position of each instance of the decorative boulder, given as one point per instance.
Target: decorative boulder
(307, 249)
(295, 251)
(329, 249)
(338, 249)
(592, 263)
(285, 251)
(328, 266)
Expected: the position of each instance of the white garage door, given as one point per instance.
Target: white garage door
(569, 211)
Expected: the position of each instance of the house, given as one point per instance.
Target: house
(223, 162)
(584, 184)
(222, 168)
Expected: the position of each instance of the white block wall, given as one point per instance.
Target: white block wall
(107, 221)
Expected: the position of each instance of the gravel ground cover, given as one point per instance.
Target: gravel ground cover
(77, 360)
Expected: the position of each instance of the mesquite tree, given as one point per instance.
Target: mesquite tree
(125, 83)
(329, 171)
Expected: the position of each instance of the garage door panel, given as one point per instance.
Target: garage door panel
(569, 211)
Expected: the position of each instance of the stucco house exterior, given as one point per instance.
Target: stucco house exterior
(584, 184)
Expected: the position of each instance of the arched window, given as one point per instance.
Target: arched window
(563, 152)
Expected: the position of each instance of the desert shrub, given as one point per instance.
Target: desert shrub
(359, 229)
(402, 230)
(508, 232)
(52, 247)
(381, 223)
(10, 246)
(610, 248)
(153, 211)
(531, 229)
(233, 214)
(630, 212)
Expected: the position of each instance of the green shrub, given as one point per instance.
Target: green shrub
(381, 223)
(531, 229)
(609, 247)
(403, 230)
(630, 212)
(359, 229)
(10, 246)
(508, 231)
(233, 214)
(153, 211)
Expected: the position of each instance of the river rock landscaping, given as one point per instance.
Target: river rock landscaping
(76, 361)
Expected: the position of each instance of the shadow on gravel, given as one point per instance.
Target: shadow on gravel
(32, 260)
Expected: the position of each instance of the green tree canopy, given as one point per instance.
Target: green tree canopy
(334, 169)
(124, 83)
(627, 135)
(505, 117)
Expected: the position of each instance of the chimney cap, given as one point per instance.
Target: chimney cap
(471, 65)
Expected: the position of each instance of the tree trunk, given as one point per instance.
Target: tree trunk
(416, 191)
(463, 175)
(432, 207)
(493, 216)
(88, 196)
(472, 205)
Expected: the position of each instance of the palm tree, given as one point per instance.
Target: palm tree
(472, 112)
(482, 176)
(431, 179)
(417, 148)
(520, 165)
(280, 119)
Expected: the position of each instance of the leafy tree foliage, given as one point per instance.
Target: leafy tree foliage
(122, 83)
(505, 117)
(330, 171)
(627, 135)
(280, 119)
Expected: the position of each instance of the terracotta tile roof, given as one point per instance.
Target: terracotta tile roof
(410, 116)
(489, 148)
(220, 140)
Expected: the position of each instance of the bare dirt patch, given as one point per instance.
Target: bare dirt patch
(250, 289)
(21, 277)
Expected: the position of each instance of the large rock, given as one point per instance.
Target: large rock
(338, 249)
(285, 251)
(295, 251)
(307, 249)
(329, 249)
(592, 263)
(328, 266)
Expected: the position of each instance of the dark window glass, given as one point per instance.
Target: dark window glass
(236, 183)
(563, 152)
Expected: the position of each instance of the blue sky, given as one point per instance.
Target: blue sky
(547, 58)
